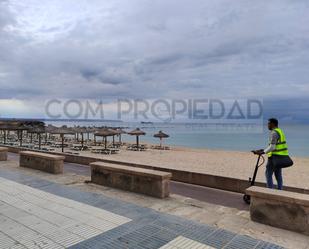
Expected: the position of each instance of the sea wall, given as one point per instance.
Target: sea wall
(202, 179)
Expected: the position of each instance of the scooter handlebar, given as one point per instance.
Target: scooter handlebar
(256, 152)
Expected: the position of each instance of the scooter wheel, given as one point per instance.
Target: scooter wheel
(247, 199)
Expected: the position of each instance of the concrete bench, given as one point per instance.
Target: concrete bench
(41, 161)
(145, 181)
(3, 154)
(283, 209)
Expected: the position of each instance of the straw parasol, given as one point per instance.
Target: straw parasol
(19, 128)
(89, 130)
(39, 131)
(137, 132)
(4, 127)
(105, 132)
(119, 133)
(82, 131)
(93, 130)
(49, 129)
(62, 131)
(161, 135)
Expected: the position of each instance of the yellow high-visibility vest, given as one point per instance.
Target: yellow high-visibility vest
(281, 145)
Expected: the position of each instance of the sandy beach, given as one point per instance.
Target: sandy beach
(217, 162)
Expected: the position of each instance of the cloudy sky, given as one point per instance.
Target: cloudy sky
(105, 50)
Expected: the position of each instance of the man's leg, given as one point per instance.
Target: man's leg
(269, 174)
(278, 175)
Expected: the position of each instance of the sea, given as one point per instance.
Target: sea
(216, 137)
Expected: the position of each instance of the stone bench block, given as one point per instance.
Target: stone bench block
(145, 181)
(41, 161)
(283, 209)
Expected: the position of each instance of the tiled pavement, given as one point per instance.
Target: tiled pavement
(34, 217)
(183, 243)
(36, 213)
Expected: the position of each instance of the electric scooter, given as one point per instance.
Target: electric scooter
(246, 197)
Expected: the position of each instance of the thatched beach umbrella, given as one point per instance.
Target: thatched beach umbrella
(4, 128)
(119, 133)
(76, 129)
(62, 131)
(89, 130)
(49, 129)
(15, 126)
(137, 132)
(82, 131)
(19, 130)
(92, 130)
(105, 132)
(19, 126)
(39, 131)
(161, 135)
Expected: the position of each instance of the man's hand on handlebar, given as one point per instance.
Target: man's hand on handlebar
(258, 152)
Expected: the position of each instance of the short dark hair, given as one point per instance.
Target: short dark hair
(273, 121)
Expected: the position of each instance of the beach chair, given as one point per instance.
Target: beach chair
(114, 151)
(130, 147)
(106, 151)
(143, 147)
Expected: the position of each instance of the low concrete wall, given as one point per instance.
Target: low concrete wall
(149, 182)
(41, 161)
(3, 153)
(202, 179)
(281, 209)
(207, 180)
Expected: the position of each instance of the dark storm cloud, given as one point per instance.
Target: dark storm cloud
(103, 76)
(89, 73)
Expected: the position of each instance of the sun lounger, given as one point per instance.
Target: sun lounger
(158, 147)
(134, 147)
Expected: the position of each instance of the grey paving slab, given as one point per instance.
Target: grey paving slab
(219, 238)
(244, 242)
(147, 228)
(266, 245)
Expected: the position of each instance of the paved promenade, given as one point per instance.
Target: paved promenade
(36, 213)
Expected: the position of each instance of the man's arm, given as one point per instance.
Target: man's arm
(274, 137)
(270, 148)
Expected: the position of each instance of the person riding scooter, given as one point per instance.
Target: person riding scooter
(278, 155)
